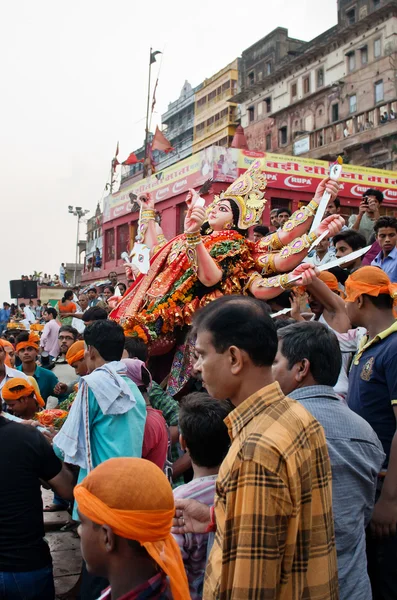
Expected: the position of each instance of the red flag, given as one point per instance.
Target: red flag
(160, 142)
(117, 149)
(154, 95)
(115, 162)
(132, 160)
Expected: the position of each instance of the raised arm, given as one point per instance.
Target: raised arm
(334, 307)
(266, 288)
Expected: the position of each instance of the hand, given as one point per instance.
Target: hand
(146, 201)
(195, 216)
(373, 207)
(306, 273)
(327, 185)
(295, 307)
(190, 516)
(333, 224)
(363, 208)
(49, 433)
(384, 518)
(60, 388)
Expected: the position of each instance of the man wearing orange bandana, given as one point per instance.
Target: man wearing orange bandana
(22, 397)
(27, 349)
(125, 531)
(7, 372)
(75, 358)
(370, 297)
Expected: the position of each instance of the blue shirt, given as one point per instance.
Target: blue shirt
(387, 264)
(356, 458)
(373, 384)
(46, 380)
(4, 315)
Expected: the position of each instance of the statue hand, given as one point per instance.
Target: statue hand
(146, 201)
(327, 185)
(306, 273)
(194, 219)
(333, 223)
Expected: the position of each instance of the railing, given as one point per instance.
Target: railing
(173, 132)
(213, 127)
(222, 96)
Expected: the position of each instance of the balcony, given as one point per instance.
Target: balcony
(219, 124)
(172, 133)
(176, 107)
(224, 96)
(351, 133)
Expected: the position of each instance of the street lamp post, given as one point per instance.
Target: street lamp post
(79, 213)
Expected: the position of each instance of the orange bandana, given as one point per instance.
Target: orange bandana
(27, 389)
(76, 352)
(5, 345)
(330, 280)
(119, 493)
(33, 342)
(370, 281)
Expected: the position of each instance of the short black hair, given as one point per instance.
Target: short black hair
(95, 313)
(22, 305)
(377, 193)
(282, 299)
(385, 222)
(69, 329)
(318, 344)
(136, 348)
(281, 323)
(201, 423)
(107, 337)
(22, 337)
(381, 302)
(240, 321)
(92, 289)
(283, 210)
(353, 238)
(109, 287)
(51, 311)
(336, 201)
(262, 230)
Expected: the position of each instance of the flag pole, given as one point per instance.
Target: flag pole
(145, 169)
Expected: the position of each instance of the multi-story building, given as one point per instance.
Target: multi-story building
(336, 94)
(94, 239)
(215, 116)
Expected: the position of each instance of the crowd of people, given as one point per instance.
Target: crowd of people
(272, 472)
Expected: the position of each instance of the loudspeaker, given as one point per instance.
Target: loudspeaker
(17, 288)
(30, 289)
(23, 289)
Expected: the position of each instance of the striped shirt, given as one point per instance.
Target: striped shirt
(273, 506)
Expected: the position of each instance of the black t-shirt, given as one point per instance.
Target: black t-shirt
(25, 456)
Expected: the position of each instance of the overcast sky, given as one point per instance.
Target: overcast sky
(73, 82)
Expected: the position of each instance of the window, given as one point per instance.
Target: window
(269, 141)
(268, 68)
(320, 77)
(251, 114)
(376, 3)
(294, 90)
(109, 244)
(251, 78)
(351, 61)
(351, 16)
(268, 103)
(335, 112)
(378, 91)
(260, 76)
(377, 48)
(123, 233)
(283, 135)
(353, 103)
(260, 108)
(306, 84)
(364, 55)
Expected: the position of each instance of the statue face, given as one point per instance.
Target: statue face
(221, 216)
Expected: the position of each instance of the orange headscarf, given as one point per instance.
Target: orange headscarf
(76, 352)
(5, 344)
(134, 497)
(330, 280)
(370, 281)
(27, 389)
(33, 342)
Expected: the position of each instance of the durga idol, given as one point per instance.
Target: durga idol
(213, 257)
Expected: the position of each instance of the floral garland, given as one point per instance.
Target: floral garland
(55, 417)
(175, 309)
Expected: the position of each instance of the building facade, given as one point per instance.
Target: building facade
(336, 94)
(215, 116)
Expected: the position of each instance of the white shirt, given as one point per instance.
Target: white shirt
(29, 315)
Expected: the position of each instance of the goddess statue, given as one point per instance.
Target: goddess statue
(213, 257)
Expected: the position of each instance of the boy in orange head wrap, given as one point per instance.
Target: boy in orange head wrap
(126, 508)
(75, 358)
(370, 297)
(22, 397)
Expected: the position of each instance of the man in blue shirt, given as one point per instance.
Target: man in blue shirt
(355, 451)
(4, 316)
(373, 395)
(386, 236)
(27, 349)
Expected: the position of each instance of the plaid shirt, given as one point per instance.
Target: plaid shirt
(273, 506)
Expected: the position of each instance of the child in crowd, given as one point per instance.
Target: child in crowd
(205, 438)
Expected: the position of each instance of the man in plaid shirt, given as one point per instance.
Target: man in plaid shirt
(273, 504)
